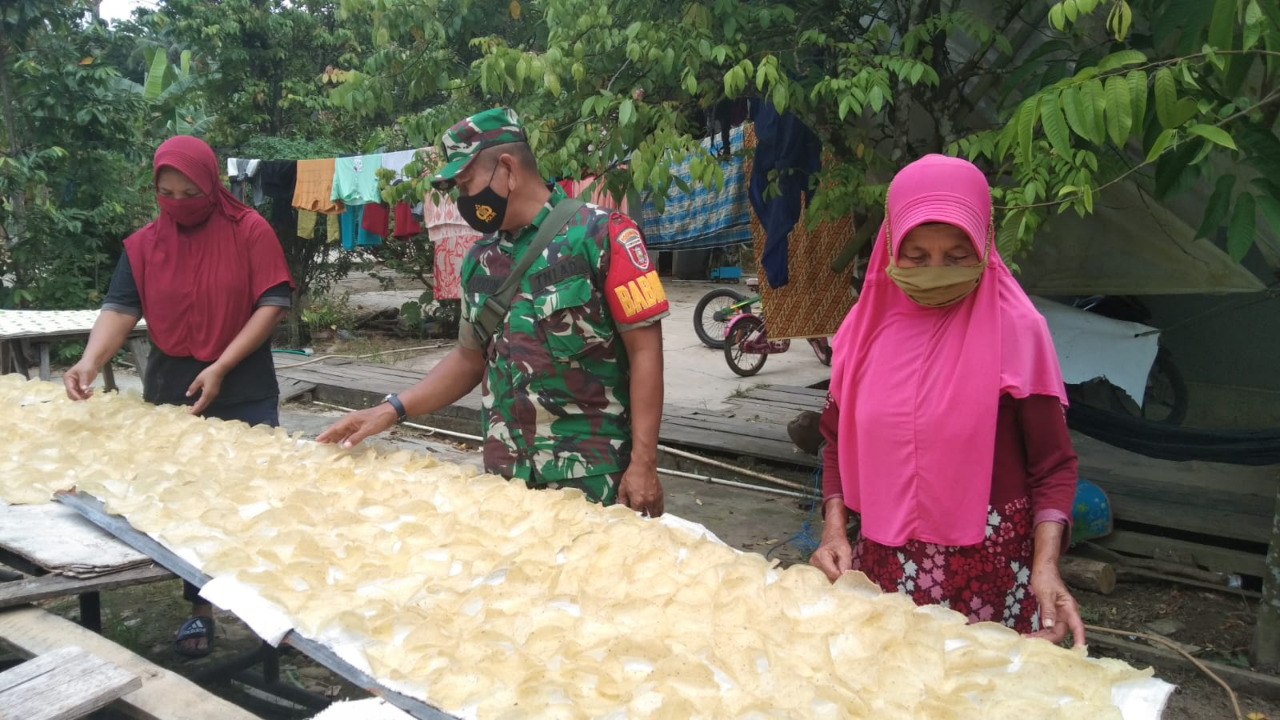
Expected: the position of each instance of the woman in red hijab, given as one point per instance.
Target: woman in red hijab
(945, 427)
(210, 277)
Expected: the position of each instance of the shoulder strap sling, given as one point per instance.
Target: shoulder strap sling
(497, 305)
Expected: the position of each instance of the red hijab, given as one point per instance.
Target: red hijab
(203, 263)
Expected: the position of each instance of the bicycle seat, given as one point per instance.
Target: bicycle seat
(753, 283)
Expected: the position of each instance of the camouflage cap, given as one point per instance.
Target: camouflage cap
(462, 142)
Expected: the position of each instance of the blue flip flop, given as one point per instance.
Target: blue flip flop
(195, 626)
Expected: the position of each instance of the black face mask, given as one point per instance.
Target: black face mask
(485, 210)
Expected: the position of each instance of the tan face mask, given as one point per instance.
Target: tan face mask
(936, 286)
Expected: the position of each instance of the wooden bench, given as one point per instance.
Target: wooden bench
(63, 684)
(160, 694)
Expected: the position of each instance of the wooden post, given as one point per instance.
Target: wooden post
(1266, 637)
(43, 348)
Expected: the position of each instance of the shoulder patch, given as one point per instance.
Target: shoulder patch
(633, 242)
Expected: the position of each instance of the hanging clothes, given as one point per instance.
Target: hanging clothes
(592, 189)
(395, 162)
(406, 224)
(333, 228)
(703, 217)
(354, 235)
(278, 178)
(306, 224)
(453, 239)
(376, 219)
(242, 175)
(784, 144)
(355, 179)
(315, 186)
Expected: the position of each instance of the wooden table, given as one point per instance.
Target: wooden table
(42, 328)
(57, 553)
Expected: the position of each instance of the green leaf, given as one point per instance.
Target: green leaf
(1055, 125)
(1027, 115)
(1222, 25)
(1215, 210)
(1241, 229)
(1166, 92)
(1270, 208)
(626, 111)
(1120, 59)
(1057, 18)
(875, 98)
(1137, 81)
(1162, 142)
(1119, 114)
(1213, 134)
(155, 77)
(1095, 102)
(186, 63)
(1072, 101)
(780, 97)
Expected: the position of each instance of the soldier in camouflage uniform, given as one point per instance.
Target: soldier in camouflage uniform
(572, 377)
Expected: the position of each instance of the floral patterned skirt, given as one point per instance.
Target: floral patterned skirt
(989, 581)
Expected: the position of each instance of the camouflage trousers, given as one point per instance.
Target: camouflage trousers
(601, 489)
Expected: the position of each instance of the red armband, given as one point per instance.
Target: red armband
(635, 293)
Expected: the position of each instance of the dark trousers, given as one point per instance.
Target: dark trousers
(255, 412)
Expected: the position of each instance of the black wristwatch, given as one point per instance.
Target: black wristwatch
(394, 401)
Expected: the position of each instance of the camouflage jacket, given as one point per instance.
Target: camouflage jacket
(556, 393)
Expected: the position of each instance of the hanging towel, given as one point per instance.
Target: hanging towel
(784, 144)
(315, 186)
(355, 179)
(306, 224)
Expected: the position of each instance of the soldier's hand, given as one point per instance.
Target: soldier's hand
(357, 426)
(641, 490)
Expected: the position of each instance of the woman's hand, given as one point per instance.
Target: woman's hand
(208, 383)
(1058, 609)
(834, 556)
(78, 380)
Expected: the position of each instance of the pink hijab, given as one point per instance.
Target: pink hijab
(918, 388)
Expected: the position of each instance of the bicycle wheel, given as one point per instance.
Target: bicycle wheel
(740, 360)
(709, 329)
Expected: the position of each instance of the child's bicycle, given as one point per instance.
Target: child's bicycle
(732, 326)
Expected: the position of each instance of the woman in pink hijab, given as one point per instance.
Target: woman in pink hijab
(945, 426)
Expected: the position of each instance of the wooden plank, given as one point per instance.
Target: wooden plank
(141, 350)
(163, 695)
(1096, 455)
(290, 389)
(1189, 518)
(1214, 558)
(64, 684)
(793, 390)
(20, 592)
